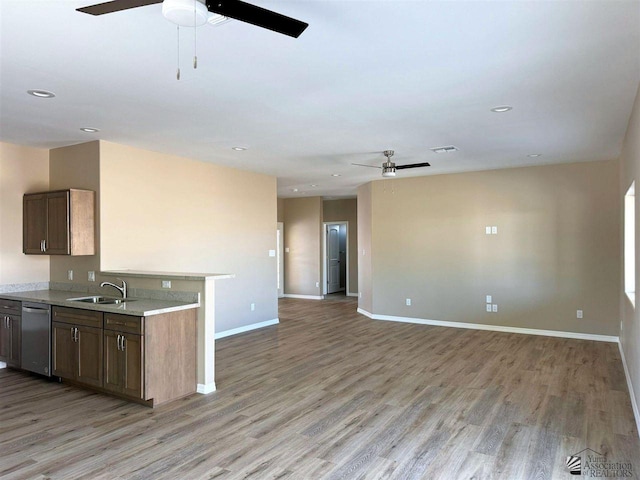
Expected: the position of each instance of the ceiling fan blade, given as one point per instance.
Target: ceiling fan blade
(363, 165)
(413, 165)
(261, 17)
(115, 6)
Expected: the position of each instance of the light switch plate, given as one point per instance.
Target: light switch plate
(69, 274)
(91, 276)
(494, 307)
(494, 230)
(488, 307)
(489, 299)
(286, 250)
(407, 302)
(272, 253)
(166, 283)
(487, 230)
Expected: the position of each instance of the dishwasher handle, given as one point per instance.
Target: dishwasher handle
(35, 310)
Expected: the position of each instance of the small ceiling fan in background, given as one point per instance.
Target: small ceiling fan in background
(389, 168)
(193, 13)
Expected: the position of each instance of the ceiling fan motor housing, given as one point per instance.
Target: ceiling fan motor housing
(388, 169)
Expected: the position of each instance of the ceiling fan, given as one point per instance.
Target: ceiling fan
(193, 13)
(389, 168)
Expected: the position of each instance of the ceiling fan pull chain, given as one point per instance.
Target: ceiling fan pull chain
(195, 37)
(178, 71)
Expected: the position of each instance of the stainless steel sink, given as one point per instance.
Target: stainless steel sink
(101, 300)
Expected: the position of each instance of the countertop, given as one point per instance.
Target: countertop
(140, 307)
(168, 275)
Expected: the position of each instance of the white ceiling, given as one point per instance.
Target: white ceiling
(364, 77)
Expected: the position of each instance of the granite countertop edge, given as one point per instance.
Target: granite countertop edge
(141, 307)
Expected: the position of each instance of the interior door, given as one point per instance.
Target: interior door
(333, 258)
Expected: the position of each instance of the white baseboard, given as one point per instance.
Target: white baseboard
(364, 312)
(206, 388)
(3, 365)
(634, 403)
(304, 297)
(493, 328)
(351, 294)
(247, 328)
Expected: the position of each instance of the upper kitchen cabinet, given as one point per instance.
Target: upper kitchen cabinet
(59, 223)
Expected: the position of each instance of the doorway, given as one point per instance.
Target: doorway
(336, 257)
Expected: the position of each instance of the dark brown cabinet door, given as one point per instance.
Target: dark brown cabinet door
(34, 211)
(132, 374)
(57, 242)
(63, 350)
(112, 361)
(123, 363)
(89, 355)
(14, 359)
(5, 339)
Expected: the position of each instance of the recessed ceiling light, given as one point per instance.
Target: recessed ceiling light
(534, 155)
(41, 93)
(294, 189)
(335, 174)
(502, 108)
(89, 130)
(239, 149)
(314, 185)
(447, 149)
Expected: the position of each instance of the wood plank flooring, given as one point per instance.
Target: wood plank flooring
(330, 394)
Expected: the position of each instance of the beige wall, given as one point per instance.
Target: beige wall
(365, 266)
(346, 210)
(280, 209)
(556, 250)
(76, 166)
(630, 325)
(302, 236)
(175, 214)
(22, 170)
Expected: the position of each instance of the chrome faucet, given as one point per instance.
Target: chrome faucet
(122, 289)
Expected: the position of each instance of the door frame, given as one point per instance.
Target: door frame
(280, 259)
(325, 225)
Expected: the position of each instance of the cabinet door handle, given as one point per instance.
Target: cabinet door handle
(124, 345)
(44, 245)
(118, 342)
(75, 334)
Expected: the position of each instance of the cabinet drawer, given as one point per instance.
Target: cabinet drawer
(123, 323)
(10, 307)
(77, 316)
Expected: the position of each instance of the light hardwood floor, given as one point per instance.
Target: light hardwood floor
(330, 394)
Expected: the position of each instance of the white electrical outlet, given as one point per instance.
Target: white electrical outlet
(286, 250)
(272, 253)
(494, 307)
(317, 284)
(359, 294)
(407, 302)
(253, 307)
(166, 283)
(489, 299)
(494, 230)
(487, 230)
(578, 313)
(489, 307)
(91, 276)
(69, 274)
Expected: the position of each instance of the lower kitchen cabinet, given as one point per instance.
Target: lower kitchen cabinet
(10, 338)
(77, 345)
(123, 363)
(147, 359)
(10, 332)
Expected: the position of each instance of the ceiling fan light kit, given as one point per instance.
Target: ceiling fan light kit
(186, 13)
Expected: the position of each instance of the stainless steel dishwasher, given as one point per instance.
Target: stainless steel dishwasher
(36, 338)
